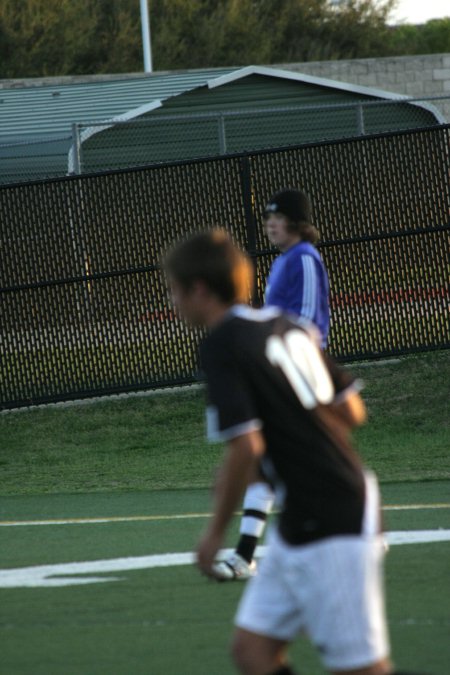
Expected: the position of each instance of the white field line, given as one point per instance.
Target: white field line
(109, 519)
(175, 516)
(414, 507)
(63, 574)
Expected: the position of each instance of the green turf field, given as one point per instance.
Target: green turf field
(141, 467)
(169, 619)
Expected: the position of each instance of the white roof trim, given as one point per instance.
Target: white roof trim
(136, 112)
(107, 124)
(301, 77)
(431, 108)
(235, 75)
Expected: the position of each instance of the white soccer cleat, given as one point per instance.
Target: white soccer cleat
(234, 569)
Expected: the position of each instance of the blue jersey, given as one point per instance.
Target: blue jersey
(298, 283)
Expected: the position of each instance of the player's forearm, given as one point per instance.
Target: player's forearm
(232, 483)
(352, 411)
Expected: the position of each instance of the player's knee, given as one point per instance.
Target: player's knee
(238, 650)
(242, 654)
(253, 656)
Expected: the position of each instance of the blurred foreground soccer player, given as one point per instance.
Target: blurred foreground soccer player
(298, 284)
(273, 397)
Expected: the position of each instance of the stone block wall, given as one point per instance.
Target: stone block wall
(427, 75)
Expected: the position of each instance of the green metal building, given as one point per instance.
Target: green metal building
(77, 128)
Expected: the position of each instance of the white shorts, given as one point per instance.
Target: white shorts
(332, 590)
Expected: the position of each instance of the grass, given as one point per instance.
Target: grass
(407, 437)
(158, 442)
(171, 620)
(133, 444)
(148, 456)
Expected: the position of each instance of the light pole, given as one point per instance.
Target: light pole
(146, 44)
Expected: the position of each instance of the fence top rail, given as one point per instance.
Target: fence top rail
(223, 158)
(36, 141)
(226, 113)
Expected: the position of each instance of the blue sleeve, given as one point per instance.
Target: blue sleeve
(304, 286)
(286, 285)
(300, 287)
(278, 291)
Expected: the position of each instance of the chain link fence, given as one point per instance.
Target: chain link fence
(160, 138)
(84, 307)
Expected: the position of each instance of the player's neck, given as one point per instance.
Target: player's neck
(215, 314)
(289, 243)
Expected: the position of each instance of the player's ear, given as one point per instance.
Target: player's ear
(199, 290)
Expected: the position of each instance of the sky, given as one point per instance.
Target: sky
(420, 11)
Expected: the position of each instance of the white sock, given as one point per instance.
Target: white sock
(258, 504)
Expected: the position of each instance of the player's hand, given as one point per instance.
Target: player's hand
(207, 550)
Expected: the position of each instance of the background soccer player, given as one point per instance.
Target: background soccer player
(274, 397)
(297, 283)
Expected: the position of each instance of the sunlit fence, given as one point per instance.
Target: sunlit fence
(158, 137)
(84, 307)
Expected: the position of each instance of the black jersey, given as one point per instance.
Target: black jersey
(265, 371)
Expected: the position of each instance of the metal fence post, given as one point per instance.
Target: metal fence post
(222, 135)
(80, 255)
(360, 120)
(250, 225)
(76, 148)
(248, 206)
